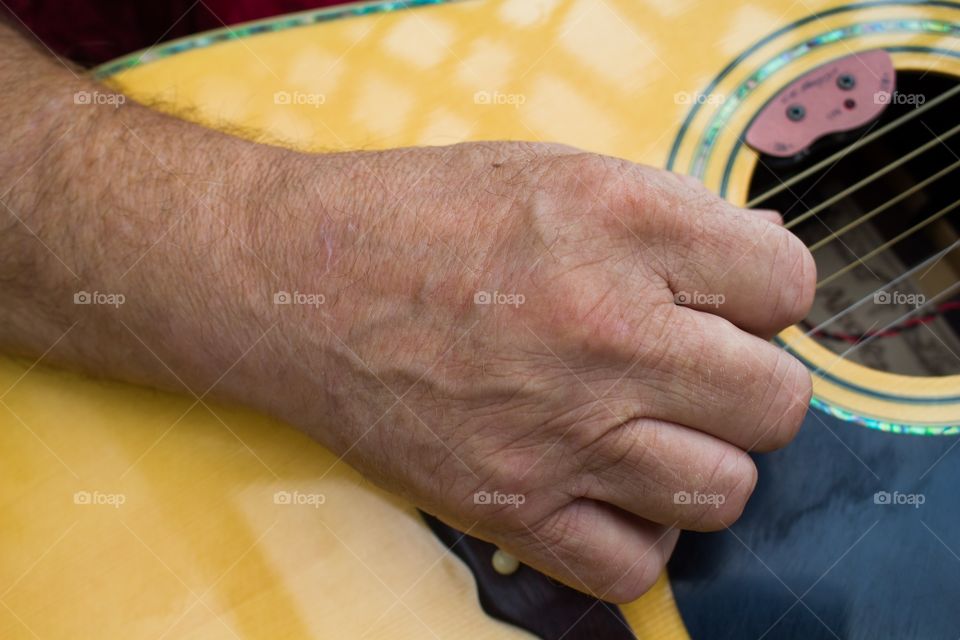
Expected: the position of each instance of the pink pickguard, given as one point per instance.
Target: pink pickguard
(827, 107)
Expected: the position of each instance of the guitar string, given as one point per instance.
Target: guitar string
(867, 180)
(880, 209)
(866, 217)
(899, 320)
(806, 215)
(867, 139)
(886, 245)
(873, 213)
(872, 295)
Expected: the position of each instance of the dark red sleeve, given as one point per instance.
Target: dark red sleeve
(93, 31)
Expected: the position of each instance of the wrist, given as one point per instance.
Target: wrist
(131, 248)
(196, 273)
(292, 257)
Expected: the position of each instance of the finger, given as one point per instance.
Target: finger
(713, 256)
(669, 474)
(715, 378)
(738, 265)
(698, 187)
(598, 549)
(769, 215)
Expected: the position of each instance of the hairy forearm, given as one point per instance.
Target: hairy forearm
(128, 239)
(142, 247)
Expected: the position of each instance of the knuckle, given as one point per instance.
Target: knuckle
(673, 343)
(791, 389)
(588, 170)
(739, 488)
(562, 534)
(792, 280)
(622, 458)
(637, 581)
(509, 495)
(599, 319)
(725, 494)
(629, 445)
(561, 541)
(620, 187)
(636, 335)
(571, 540)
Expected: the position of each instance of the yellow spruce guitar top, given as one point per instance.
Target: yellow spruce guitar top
(129, 513)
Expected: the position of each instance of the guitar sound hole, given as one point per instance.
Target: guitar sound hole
(887, 252)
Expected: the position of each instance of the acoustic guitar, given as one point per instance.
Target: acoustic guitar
(131, 513)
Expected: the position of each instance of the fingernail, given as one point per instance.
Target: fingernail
(769, 214)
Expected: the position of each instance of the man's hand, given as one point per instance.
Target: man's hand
(553, 350)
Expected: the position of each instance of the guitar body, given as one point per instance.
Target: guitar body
(134, 513)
